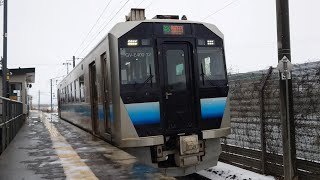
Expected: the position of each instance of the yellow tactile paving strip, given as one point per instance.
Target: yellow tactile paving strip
(72, 165)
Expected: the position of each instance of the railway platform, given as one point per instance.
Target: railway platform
(49, 148)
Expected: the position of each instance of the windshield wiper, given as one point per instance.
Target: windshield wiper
(148, 79)
(205, 77)
(202, 74)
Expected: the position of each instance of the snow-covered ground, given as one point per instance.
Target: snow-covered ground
(225, 171)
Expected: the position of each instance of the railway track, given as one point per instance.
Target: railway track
(193, 176)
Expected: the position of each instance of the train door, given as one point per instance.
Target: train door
(106, 92)
(93, 97)
(177, 102)
(59, 102)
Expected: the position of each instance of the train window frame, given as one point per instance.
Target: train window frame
(70, 98)
(59, 96)
(68, 95)
(75, 90)
(65, 95)
(82, 88)
(144, 71)
(71, 92)
(207, 80)
(62, 96)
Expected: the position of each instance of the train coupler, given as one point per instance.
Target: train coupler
(191, 150)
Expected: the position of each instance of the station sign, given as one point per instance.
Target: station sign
(285, 67)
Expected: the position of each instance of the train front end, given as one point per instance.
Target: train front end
(169, 93)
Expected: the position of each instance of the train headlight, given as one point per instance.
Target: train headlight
(211, 42)
(132, 42)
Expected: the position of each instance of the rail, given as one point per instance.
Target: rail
(12, 118)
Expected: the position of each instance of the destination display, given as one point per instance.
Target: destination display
(173, 29)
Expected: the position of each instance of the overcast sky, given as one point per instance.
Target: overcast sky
(45, 33)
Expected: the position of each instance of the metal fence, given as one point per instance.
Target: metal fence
(255, 142)
(11, 121)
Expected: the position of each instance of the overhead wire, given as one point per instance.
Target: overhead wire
(59, 70)
(104, 10)
(140, 3)
(106, 25)
(14, 65)
(152, 1)
(219, 10)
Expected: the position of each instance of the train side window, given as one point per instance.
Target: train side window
(64, 95)
(74, 91)
(77, 90)
(60, 97)
(71, 92)
(82, 89)
(68, 95)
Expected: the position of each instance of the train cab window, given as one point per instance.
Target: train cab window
(82, 88)
(137, 65)
(211, 65)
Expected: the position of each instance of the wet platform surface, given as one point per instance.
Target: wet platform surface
(49, 148)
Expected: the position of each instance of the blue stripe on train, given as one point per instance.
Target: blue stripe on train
(149, 113)
(212, 107)
(83, 110)
(144, 113)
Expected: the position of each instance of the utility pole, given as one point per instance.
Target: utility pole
(74, 61)
(51, 86)
(4, 74)
(286, 98)
(5, 40)
(51, 94)
(67, 64)
(39, 101)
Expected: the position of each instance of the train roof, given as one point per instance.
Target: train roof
(122, 28)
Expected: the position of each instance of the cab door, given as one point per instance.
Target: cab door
(178, 105)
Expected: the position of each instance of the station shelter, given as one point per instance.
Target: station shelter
(20, 81)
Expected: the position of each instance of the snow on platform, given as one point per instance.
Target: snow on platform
(225, 171)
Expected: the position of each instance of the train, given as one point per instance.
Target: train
(156, 88)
